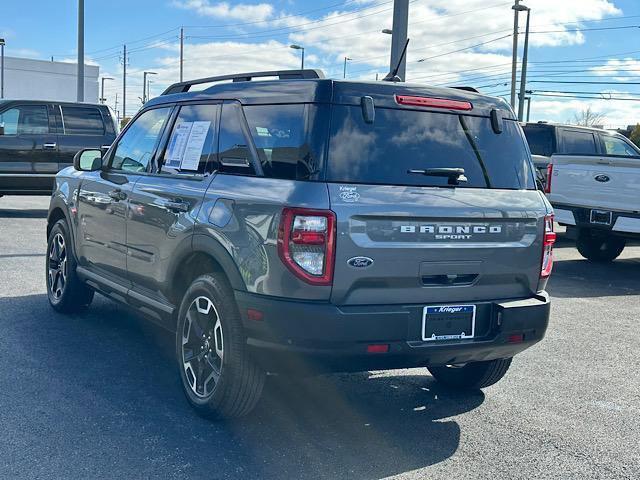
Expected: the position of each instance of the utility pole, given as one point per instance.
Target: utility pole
(528, 99)
(514, 59)
(102, 99)
(181, 51)
(124, 81)
(80, 89)
(523, 74)
(2, 42)
(399, 36)
(115, 109)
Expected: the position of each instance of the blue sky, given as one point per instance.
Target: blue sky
(453, 42)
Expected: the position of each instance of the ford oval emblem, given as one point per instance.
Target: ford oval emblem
(602, 178)
(360, 262)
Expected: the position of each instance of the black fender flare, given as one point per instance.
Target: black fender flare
(210, 246)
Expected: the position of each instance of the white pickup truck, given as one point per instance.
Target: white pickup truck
(593, 183)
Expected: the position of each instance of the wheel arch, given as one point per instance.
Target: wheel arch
(206, 255)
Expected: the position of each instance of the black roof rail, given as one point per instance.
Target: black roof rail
(182, 87)
(467, 89)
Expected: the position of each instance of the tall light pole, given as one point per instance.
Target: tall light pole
(298, 47)
(514, 58)
(80, 96)
(181, 52)
(144, 85)
(344, 70)
(399, 37)
(102, 99)
(523, 74)
(124, 81)
(2, 42)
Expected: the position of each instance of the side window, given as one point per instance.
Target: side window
(193, 143)
(25, 119)
(540, 140)
(578, 143)
(618, 147)
(136, 146)
(279, 134)
(234, 153)
(82, 121)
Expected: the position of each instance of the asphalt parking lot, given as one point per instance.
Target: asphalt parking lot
(97, 395)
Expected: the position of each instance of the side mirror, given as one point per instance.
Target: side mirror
(88, 160)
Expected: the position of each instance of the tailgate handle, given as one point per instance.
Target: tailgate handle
(449, 280)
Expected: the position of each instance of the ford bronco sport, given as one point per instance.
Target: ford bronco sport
(297, 223)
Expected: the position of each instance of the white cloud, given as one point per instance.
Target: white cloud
(614, 67)
(241, 11)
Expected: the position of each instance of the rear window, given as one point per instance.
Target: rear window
(82, 121)
(577, 143)
(540, 140)
(401, 140)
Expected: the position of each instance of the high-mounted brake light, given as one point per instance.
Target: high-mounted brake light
(547, 247)
(433, 102)
(306, 244)
(547, 187)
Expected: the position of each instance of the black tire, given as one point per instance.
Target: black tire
(599, 248)
(218, 377)
(66, 292)
(472, 376)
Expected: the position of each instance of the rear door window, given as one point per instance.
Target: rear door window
(540, 140)
(192, 146)
(82, 120)
(25, 120)
(234, 147)
(403, 140)
(574, 142)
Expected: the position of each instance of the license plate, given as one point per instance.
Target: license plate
(601, 217)
(448, 322)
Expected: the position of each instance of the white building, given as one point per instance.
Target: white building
(28, 79)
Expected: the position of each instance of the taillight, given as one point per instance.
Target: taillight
(433, 102)
(547, 187)
(547, 247)
(306, 244)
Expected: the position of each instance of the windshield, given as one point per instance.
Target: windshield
(398, 141)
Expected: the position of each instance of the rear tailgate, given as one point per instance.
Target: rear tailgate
(433, 245)
(596, 182)
(424, 238)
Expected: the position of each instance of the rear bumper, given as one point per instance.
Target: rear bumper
(312, 337)
(625, 224)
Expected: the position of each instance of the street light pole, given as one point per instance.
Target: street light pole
(523, 75)
(298, 47)
(2, 42)
(102, 99)
(181, 51)
(144, 85)
(344, 71)
(80, 88)
(514, 59)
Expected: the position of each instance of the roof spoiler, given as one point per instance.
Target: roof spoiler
(467, 89)
(182, 87)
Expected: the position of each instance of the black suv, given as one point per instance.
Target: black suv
(40, 138)
(301, 223)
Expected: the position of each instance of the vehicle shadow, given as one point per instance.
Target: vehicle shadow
(99, 392)
(26, 213)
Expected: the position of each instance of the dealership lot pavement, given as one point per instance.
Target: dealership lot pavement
(98, 396)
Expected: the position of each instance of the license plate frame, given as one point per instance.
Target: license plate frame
(454, 314)
(594, 214)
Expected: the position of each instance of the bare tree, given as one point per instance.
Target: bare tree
(588, 118)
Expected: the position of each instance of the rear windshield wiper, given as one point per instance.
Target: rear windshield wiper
(455, 175)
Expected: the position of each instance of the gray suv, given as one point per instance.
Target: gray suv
(284, 222)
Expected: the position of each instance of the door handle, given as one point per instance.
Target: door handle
(50, 146)
(117, 194)
(176, 206)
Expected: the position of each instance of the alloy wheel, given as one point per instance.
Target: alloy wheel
(57, 266)
(202, 347)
